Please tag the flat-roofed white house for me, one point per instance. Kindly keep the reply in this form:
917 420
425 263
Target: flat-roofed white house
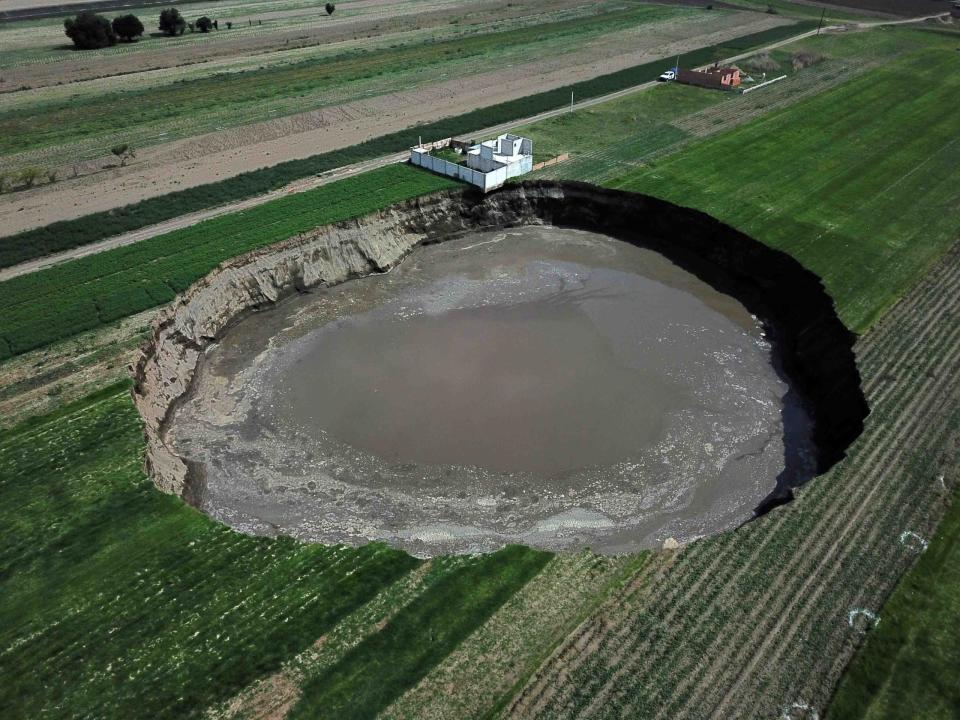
487 165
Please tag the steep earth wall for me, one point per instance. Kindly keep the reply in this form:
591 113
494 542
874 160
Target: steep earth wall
813 345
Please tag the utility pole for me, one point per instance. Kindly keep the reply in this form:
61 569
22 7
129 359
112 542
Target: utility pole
822 15
571 101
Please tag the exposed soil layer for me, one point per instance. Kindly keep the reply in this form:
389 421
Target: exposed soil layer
812 344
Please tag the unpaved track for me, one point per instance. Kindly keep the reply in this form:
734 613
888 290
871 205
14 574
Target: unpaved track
297 186
746 624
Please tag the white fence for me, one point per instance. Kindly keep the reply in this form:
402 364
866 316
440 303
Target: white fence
485 181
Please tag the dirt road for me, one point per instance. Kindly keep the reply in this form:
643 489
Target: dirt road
347 117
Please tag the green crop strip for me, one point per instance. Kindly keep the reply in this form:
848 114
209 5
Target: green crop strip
68 234
124 602
64 300
119 601
386 664
907 668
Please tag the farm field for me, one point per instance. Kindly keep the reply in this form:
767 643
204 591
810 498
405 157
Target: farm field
205 129
120 598
37 54
671 610
804 180
224 99
757 622
815 191
179 596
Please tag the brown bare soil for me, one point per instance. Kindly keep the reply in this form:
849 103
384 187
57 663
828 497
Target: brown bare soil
207 158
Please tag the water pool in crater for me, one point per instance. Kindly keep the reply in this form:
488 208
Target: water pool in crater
539 385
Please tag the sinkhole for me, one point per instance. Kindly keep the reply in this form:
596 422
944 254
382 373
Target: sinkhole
582 383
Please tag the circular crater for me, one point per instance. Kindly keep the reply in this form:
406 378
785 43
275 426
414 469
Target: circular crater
537 385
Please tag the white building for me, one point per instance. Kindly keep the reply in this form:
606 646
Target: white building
487 165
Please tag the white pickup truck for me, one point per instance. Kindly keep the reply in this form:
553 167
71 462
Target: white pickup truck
668 75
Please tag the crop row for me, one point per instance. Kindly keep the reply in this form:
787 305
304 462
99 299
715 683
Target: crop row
753 620
67 299
73 233
741 624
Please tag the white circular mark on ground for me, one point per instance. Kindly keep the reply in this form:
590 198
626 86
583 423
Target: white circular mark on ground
861 619
913 540
800 711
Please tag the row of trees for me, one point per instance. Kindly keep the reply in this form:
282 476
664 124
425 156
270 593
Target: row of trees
90 31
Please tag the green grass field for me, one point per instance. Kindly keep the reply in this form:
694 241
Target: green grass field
117 598
865 197
907 669
73 233
379 669
227 99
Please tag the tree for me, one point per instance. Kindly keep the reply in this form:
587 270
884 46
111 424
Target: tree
89 31
171 22
127 27
123 152
229 26
28 175
204 24
330 7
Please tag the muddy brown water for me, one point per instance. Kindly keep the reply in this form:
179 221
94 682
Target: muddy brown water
540 385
